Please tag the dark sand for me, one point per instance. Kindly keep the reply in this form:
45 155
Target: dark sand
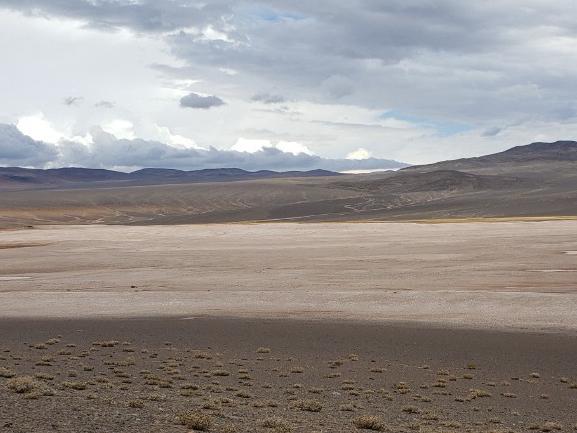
368 383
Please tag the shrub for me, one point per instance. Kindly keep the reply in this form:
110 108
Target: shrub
308 405
78 386
195 420
22 384
411 409
136 404
4 372
276 423
369 422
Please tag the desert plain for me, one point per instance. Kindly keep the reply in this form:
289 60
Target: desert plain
278 327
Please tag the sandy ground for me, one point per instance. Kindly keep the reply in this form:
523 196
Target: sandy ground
499 275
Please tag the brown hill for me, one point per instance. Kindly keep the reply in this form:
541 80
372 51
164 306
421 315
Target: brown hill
538 180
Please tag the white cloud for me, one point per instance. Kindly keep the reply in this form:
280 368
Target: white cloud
257 145
164 134
38 128
250 145
120 128
360 153
293 147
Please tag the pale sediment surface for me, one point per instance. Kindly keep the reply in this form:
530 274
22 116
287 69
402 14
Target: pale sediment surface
497 275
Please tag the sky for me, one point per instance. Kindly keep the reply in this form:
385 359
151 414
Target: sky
281 84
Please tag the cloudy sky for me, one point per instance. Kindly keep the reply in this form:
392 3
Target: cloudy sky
281 84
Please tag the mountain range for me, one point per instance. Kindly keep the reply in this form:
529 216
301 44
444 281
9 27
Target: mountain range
17 177
536 180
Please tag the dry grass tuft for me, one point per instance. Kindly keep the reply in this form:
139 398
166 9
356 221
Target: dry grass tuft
411 409
550 426
278 424
78 386
4 372
369 422
22 384
195 420
479 393
136 404
263 350
308 405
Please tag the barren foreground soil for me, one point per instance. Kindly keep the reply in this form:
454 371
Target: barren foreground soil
269 376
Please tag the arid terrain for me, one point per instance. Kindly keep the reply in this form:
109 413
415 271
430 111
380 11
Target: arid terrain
260 216
537 180
435 299
283 327
501 274
231 375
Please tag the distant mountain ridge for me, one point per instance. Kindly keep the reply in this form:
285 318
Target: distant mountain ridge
538 152
16 177
533 181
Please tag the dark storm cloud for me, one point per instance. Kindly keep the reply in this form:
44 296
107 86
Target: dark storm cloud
17 149
194 100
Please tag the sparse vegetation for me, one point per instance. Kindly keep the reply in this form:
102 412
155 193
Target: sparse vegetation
136 404
78 386
278 424
22 384
218 393
6 373
308 405
195 420
369 422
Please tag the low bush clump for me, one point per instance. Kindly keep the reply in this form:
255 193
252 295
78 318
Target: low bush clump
195 420
22 384
4 372
280 425
369 422
308 405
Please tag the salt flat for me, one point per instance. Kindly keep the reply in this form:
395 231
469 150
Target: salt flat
496 275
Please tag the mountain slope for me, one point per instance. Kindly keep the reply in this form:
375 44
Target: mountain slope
538 180
518 158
